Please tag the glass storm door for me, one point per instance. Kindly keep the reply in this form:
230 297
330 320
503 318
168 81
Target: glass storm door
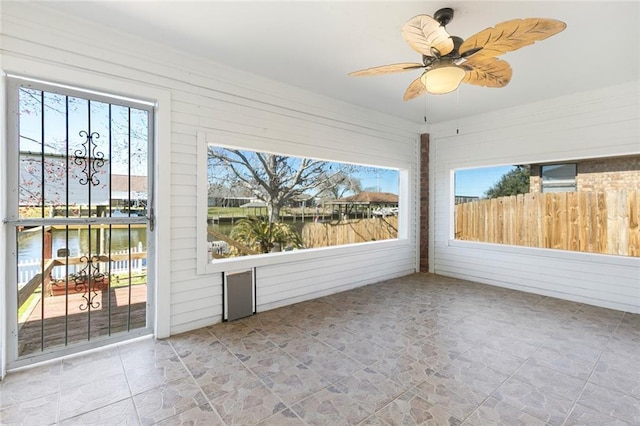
79 211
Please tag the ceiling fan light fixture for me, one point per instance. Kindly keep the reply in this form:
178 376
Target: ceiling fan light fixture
449 60
443 79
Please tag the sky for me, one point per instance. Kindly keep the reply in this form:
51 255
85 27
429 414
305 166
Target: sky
475 182
468 182
129 143
380 180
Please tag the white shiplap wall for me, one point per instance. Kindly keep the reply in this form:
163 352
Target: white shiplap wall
234 108
599 123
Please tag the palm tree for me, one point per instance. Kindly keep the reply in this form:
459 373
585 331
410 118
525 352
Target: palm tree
264 236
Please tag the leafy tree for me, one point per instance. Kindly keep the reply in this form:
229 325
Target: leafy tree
515 181
264 236
274 179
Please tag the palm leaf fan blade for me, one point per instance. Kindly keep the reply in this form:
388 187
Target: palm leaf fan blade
489 72
386 69
422 33
511 35
415 89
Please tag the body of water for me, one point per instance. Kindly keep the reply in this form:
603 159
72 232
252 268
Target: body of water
80 241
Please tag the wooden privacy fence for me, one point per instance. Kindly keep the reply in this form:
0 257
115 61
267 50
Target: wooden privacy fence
593 222
349 231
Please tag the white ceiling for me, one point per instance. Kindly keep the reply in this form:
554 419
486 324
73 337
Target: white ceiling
313 45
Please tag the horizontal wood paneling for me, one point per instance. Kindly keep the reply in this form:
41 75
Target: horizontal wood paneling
548 274
243 110
599 123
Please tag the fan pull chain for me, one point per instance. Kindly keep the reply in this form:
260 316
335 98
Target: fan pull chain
458 111
425 109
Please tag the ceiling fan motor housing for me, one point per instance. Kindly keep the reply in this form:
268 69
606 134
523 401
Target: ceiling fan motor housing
443 16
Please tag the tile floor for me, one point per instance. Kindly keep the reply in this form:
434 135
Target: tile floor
421 349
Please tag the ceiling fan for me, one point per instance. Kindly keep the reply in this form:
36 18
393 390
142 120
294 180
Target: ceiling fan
448 60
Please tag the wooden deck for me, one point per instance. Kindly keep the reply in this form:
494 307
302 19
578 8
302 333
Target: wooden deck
108 315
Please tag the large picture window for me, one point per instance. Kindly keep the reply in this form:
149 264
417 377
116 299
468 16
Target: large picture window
259 202
589 205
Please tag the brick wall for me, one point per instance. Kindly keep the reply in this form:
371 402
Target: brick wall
609 174
424 203
600 174
535 181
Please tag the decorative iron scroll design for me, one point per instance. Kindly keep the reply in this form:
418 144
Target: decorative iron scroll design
88 280
89 158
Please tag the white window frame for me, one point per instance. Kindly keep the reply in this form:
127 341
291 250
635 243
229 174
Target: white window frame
205 139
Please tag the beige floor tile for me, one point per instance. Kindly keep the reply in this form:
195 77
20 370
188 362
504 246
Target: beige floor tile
549 380
370 388
247 404
421 349
497 413
189 342
624 380
283 418
29 384
143 352
331 406
584 416
573 358
143 377
450 395
330 363
494 358
270 361
168 400
475 375
612 403
93 395
411 409
217 382
550 408
510 346
351 345
202 415
38 411
101 364
402 369
119 413
295 383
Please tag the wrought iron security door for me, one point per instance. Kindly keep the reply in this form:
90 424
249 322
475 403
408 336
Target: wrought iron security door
81 219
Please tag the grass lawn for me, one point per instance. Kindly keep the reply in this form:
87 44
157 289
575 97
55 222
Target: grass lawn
230 211
122 280
242 212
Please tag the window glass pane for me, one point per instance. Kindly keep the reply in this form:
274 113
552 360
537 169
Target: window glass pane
558 178
558 172
552 206
31 153
261 203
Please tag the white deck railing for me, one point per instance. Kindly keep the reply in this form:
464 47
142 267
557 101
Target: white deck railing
27 269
